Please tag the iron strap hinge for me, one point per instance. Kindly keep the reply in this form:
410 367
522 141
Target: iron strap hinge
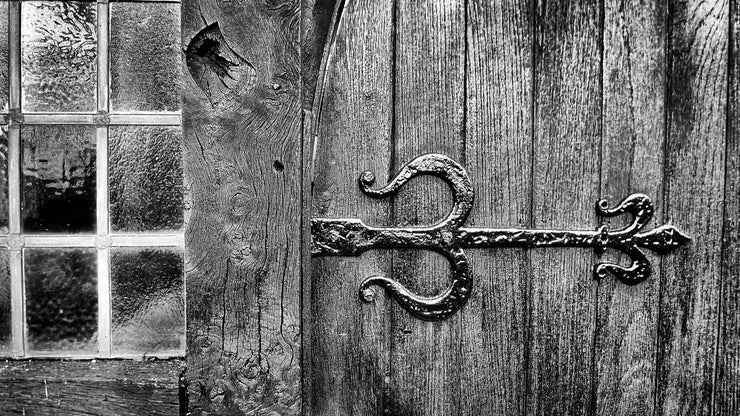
351 237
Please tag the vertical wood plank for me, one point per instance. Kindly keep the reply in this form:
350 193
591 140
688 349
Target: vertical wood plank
349 347
242 153
429 117
632 149
316 25
694 193
498 152
565 189
727 382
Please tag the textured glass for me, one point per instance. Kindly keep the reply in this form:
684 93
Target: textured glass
6 329
3 179
58 179
4 56
61 299
145 57
146 183
148 301
58 56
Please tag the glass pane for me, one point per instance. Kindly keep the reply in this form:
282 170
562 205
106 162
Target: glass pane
146 183
61 299
58 56
145 57
148 301
6 331
3 179
58 179
4 56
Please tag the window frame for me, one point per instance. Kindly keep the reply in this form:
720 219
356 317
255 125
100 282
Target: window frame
103 240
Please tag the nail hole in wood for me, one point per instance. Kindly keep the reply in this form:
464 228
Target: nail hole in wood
278 166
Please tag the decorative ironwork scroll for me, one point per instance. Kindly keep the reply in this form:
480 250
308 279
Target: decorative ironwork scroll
351 237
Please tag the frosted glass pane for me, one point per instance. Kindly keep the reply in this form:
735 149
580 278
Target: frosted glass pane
58 179
6 332
145 57
58 56
4 56
148 300
61 299
3 179
146 183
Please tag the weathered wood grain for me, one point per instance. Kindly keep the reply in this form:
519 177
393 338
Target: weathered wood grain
242 126
694 181
429 117
498 153
727 378
316 25
567 124
632 149
559 343
90 387
348 353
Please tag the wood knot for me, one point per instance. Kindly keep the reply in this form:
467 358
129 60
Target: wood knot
217 69
241 204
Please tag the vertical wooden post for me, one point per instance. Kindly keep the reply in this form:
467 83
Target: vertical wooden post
242 151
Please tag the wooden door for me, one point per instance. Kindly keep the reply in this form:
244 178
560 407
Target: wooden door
549 106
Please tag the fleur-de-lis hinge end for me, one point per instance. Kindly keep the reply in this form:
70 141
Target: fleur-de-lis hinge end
631 238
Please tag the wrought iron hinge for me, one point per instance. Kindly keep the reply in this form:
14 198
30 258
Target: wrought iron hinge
351 237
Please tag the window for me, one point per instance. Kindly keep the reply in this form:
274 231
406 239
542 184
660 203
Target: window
91 191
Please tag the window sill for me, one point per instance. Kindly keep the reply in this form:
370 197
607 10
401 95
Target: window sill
120 387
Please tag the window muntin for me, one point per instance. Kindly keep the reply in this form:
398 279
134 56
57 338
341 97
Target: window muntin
91 194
